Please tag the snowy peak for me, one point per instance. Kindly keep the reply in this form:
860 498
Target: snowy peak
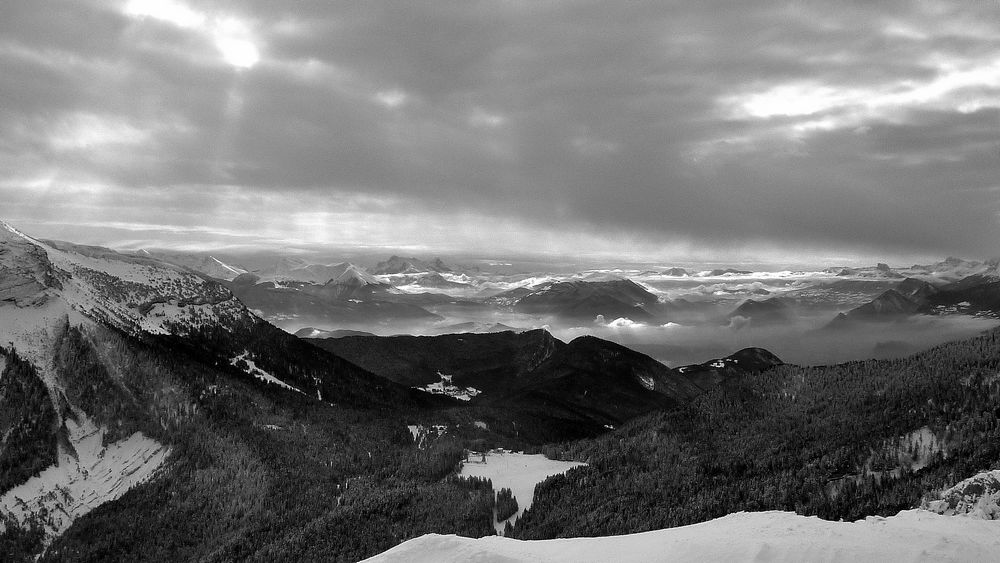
9 233
236 271
890 302
354 276
585 300
298 270
956 267
25 270
133 293
772 310
208 265
399 265
6 231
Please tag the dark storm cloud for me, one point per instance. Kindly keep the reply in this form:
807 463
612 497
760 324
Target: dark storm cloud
858 126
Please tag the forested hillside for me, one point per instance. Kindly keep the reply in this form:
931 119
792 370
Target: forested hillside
257 472
839 442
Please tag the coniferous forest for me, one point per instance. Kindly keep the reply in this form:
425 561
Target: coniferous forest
827 441
260 474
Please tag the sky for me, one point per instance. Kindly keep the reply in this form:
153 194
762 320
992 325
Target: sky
813 131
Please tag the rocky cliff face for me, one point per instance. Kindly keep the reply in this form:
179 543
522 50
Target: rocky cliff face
976 497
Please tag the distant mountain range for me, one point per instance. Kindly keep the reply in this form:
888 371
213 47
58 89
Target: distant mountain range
148 413
398 265
205 264
589 382
110 357
766 311
584 300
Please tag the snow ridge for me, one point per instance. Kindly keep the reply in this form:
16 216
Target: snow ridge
911 535
133 293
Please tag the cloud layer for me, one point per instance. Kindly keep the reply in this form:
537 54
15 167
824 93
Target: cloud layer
642 127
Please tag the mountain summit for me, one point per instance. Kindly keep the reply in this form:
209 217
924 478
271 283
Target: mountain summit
398 265
107 359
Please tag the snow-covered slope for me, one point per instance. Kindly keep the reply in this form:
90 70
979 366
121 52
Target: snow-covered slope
45 285
976 497
952 269
84 478
297 269
351 274
911 535
228 271
133 293
205 264
244 362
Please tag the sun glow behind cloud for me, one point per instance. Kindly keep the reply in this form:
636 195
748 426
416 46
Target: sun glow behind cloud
856 128
961 86
166 10
87 131
231 36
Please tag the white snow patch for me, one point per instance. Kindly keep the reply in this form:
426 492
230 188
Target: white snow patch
446 387
77 485
260 374
31 330
911 535
422 433
519 473
918 448
227 267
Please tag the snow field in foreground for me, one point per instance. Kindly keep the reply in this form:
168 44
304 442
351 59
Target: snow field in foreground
912 535
519 473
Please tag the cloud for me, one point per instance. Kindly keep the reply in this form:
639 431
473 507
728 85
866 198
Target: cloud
644 127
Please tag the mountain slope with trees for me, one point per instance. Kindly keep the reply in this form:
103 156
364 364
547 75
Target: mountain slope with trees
834 441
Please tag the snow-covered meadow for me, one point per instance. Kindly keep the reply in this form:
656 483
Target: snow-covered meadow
519 473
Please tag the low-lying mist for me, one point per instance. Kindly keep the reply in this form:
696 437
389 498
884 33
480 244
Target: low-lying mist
802 341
